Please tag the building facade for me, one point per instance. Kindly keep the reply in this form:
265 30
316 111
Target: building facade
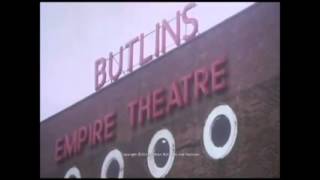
211 105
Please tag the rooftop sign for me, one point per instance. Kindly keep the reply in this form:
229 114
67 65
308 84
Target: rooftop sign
160 48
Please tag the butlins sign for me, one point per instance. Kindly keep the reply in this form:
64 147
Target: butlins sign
161 31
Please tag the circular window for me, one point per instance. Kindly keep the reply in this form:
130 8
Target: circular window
161 148
113 165
220 132
73 173
161 153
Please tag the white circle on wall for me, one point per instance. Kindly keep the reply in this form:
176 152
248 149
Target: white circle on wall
215 151
155 170
111 156
73 172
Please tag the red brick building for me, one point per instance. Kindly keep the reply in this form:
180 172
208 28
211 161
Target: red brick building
229 132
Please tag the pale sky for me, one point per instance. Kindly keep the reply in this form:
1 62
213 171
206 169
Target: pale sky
74 35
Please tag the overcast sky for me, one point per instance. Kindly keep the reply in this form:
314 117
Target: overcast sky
74 35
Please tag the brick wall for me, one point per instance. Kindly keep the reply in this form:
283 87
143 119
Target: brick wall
251 42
